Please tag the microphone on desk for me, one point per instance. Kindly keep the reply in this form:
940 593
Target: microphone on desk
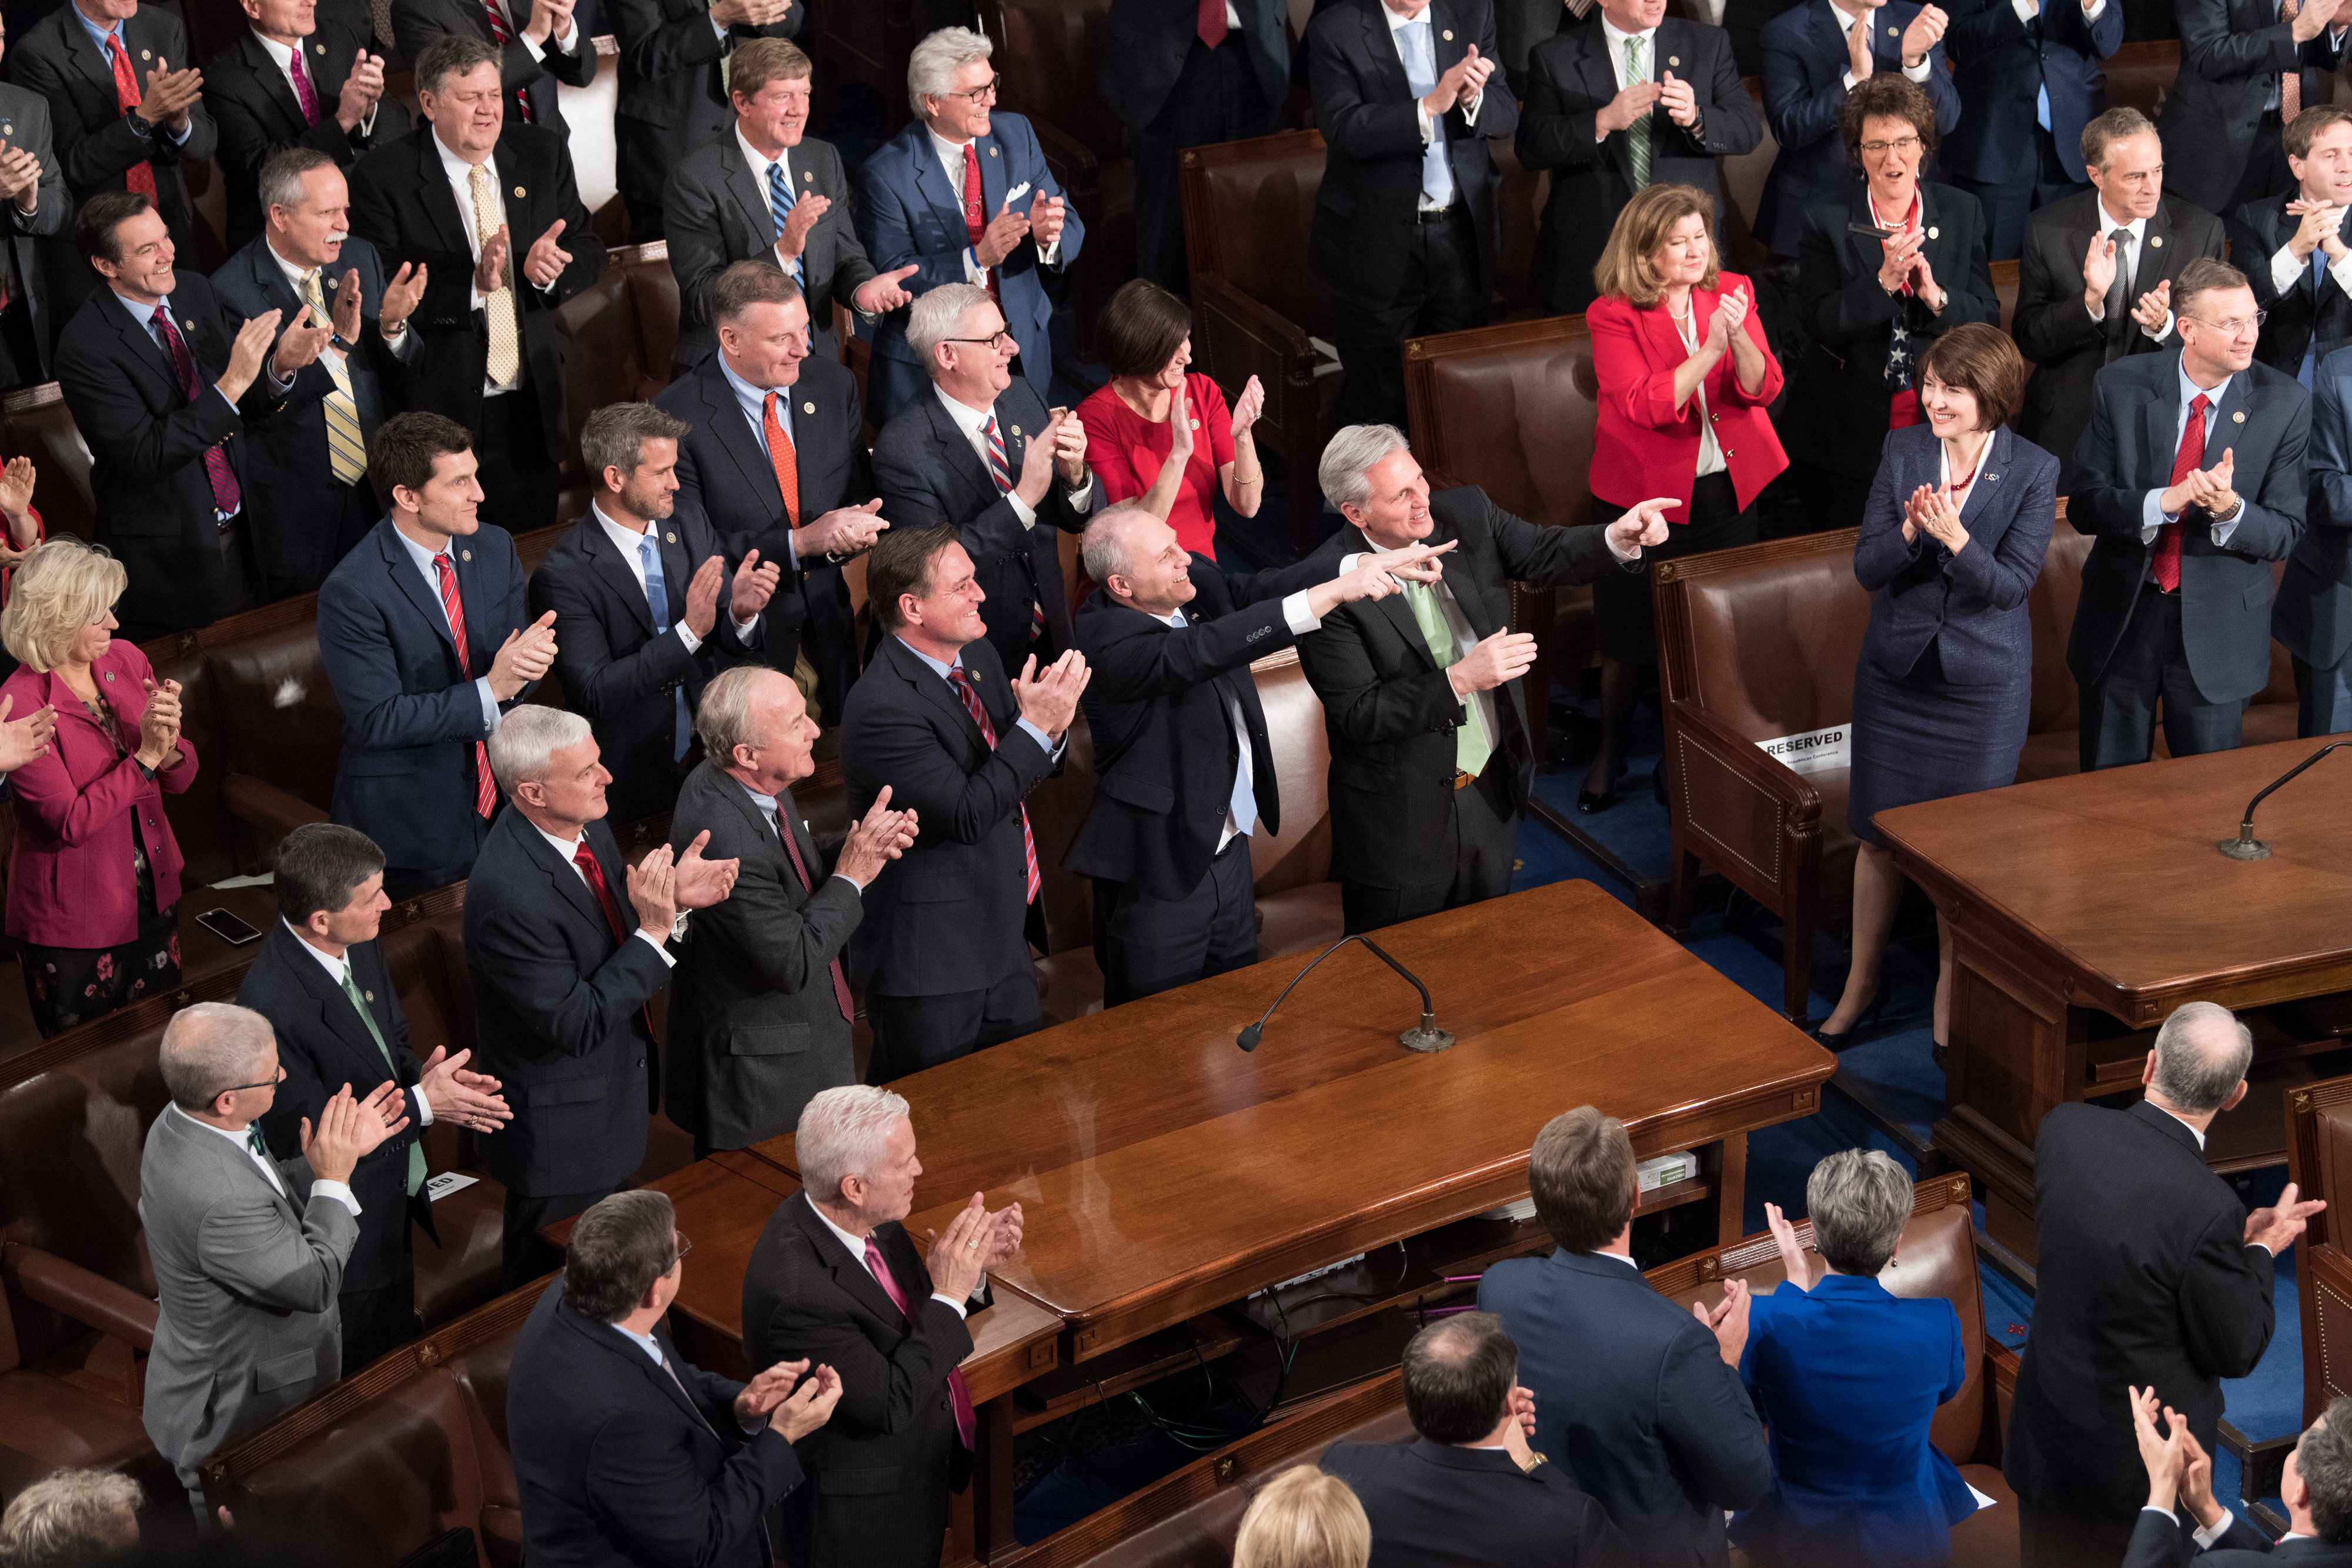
1425 1037
2245 846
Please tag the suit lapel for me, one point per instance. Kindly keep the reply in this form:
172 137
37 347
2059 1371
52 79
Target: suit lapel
1597 74
745 189
453 225
1991 466
335 1010
239 1162
482 636
410 584
936 691
142 341
562 874
1398 615
725 417
849 1270
957 459
2158 416
279 91
93 58
1381 52
2223 423
931 178
614 572
515 190
2148 265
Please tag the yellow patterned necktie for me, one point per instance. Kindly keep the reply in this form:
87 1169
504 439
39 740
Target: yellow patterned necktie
505 366
346 450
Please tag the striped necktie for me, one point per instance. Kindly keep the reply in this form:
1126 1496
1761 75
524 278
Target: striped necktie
1000 469
228 497
780 202
1637 135
657 601
486 789
970 695
346 448
367 1016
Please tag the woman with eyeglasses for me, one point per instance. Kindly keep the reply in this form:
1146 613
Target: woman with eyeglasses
1880 275
1160 432
94 873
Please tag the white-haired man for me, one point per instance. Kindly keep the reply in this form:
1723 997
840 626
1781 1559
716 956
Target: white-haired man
836 1280
567 943
1431 764
2149 1265
248 1250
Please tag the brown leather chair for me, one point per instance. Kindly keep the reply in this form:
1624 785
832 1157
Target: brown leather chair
2004 287
40 426
1248 208
78 1406
2319 1161
2139 75
1521 198
1742 180
1513 409
652 299
1047 51
1069 981
1297 901
605 362
869 43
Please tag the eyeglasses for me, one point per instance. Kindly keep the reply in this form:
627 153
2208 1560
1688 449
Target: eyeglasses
1900 144
684 1247
996 341
986 89
268 1083
2235 324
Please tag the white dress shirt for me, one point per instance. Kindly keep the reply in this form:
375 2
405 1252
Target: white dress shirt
425 559
2128 255
2152 513
1301 621
1845 20
1617 42
627 541
951 157
282 56
2028 9
461 183
969 420
759 165
1397 25
339 1191
339 968
568 848
2205 1538
856 1245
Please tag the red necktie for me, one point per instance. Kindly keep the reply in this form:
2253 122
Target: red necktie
970 695
585 859
2187 460
486 789
975 220
800 870
227 497
302 87
140 176
959 1396
503 35
1211 26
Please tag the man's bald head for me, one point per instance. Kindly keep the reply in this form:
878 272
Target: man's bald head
1137 558
2201 1058
1458 1373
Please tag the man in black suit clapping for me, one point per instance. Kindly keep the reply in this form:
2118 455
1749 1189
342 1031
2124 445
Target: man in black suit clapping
293 78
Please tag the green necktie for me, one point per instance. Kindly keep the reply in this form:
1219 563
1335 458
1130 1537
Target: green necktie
367 1017
260 1148
1471 746
1637 135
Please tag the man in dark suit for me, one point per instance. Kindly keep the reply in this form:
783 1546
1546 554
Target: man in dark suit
2293 250
2314 1482
1406 221
1430 760
635 588
2095 281
760 1011
2246 68
32 187
169 475
489 211
317 503
1641 98
963 196
985 458
1185 76
424 637
535 44
293 79
2150 1267
676 57
943 951
1468 1491
775 458
321 981
566 944
623 1453
126 106
835 1279
1640 1400
2028 86
1813 55
1183 771
771 193
2187 508
2312 618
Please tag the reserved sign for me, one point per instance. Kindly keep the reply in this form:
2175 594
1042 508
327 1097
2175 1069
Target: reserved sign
1815 752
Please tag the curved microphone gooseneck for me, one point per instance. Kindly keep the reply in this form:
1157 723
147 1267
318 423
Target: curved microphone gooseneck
1426 1037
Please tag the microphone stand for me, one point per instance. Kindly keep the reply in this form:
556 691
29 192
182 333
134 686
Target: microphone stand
2245 846
1426 1037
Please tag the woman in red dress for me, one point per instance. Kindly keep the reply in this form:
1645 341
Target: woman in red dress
1162 433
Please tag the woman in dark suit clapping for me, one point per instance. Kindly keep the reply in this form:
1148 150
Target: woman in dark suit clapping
1952 540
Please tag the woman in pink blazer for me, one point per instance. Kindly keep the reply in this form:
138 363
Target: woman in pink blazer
94 876
1686 375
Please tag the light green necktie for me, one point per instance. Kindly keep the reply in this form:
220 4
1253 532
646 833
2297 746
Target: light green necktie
1471 745
367 1017
1637 135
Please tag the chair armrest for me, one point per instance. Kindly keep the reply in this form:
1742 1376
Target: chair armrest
90 1300
270 812
1236 338
1775 780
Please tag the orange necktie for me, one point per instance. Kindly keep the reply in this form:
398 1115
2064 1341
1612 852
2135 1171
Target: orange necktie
787 463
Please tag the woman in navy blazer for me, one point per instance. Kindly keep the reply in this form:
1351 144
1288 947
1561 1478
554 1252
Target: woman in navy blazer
1848 1377
94 873
1959 519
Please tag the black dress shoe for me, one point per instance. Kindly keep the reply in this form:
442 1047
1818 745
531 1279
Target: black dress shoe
1862 1025
1589 802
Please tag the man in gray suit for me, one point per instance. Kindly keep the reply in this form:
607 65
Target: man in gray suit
768 193
248 1250
759 1006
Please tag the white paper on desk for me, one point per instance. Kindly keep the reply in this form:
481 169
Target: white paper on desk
440 1187
1982 1500
1816 752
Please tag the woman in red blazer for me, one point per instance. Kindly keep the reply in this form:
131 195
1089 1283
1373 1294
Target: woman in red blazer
1684 376
94 874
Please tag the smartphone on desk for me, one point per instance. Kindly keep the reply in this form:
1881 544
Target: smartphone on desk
228 928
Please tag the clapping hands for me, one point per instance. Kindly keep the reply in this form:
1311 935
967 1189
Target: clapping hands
1931 510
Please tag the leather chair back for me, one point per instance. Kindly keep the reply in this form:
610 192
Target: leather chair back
1301 854
2057 701
605 362
282 721
1249 212
2139 75
40 426
1057 808
653 297
2004 289
1047 51
1767 636
1742 180
2319 1161
1522 194
1512 409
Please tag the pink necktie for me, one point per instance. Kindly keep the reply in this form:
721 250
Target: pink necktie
970 695
956 1395
302 87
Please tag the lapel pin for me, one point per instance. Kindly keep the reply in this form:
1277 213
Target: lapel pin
808 407
464 555
144 55
2238 417
1933 234
2155 240
807 177
1017 430
1447 35
369 995
1674 59
669 538
1893 34
110 674
519 193
8 130
322 49
992 153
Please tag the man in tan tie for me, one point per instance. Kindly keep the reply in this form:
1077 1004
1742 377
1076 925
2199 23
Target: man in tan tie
488 213
316 503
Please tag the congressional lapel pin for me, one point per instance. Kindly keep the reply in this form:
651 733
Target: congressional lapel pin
1674 59
992 153
669 538
189 322
1447 35
1933 234
464 555
369 995
1892 33
322 49
808 407
110 674
2155 240
144 55
1017 430
808 176
8 130
2238 417
519 193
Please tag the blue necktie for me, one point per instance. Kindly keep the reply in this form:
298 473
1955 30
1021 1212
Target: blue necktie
1421 74
780 202
2318 294
657 598
1242 802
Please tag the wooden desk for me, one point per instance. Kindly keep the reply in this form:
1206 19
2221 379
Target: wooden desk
2101 896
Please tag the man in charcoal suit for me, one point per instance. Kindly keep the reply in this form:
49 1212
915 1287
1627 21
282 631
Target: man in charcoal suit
677 60
33 187
293 78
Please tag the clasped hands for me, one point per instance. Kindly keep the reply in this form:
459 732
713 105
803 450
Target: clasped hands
755 586
2208 489
976 1241
1906 258
1931 510
2151 310
664 883
793 1412
1043 222
2180 1471
1635 100
159 725
1461 84
541 265
1060 448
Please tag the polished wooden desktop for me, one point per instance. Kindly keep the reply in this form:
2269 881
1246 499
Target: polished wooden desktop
1164 1173
2101 896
